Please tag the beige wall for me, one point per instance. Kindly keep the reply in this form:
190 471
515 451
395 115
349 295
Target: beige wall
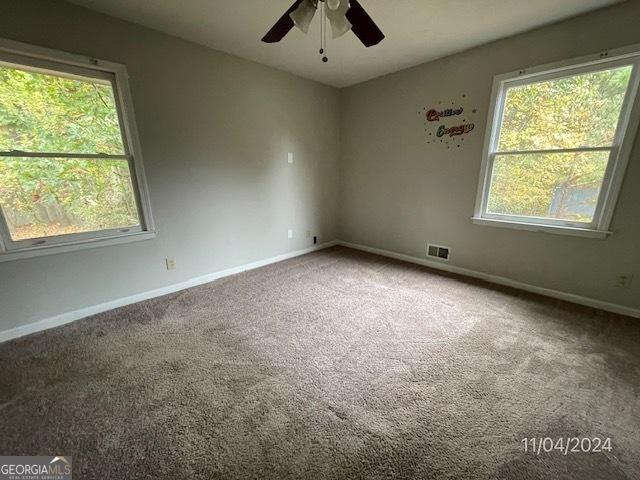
215 132
398 192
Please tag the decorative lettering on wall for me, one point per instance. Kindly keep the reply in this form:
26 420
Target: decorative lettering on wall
453 131
434 115
448 125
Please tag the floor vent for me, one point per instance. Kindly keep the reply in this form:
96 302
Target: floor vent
439 252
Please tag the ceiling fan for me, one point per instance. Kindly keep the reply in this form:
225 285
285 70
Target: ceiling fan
342 15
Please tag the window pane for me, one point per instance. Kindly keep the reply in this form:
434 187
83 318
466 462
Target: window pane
570 112
563 186
46 197
47 113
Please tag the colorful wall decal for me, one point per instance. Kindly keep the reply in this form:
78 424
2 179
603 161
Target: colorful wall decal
448 125
433 115
453 131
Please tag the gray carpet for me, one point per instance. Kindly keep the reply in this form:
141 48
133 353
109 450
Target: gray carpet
334 365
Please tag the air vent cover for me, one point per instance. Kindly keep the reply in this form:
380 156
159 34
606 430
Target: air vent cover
439 252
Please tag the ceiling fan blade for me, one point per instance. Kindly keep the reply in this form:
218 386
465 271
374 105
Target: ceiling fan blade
337 17
303 15
282 26
363 26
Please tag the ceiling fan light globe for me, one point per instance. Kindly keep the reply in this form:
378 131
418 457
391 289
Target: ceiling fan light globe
303 15
339 26
338 18
333 4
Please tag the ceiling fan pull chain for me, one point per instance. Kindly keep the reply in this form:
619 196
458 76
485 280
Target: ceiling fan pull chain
321 31
323 18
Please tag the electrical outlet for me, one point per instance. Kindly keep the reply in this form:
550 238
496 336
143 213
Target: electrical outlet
171 263
624 281
290 157
289 234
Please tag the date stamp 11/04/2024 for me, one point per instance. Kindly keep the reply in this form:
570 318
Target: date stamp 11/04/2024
566 445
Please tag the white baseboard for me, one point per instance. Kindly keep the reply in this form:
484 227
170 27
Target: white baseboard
547 292
72 316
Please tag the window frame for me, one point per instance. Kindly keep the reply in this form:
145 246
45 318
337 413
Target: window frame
619 155
45 60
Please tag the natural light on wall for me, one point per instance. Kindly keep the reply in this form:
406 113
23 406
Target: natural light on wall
556 144
66 172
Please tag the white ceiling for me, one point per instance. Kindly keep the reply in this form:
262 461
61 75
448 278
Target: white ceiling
417 30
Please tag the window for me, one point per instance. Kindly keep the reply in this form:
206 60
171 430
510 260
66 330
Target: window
70 167
558 145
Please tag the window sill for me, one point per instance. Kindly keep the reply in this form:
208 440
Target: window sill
79 245
535 227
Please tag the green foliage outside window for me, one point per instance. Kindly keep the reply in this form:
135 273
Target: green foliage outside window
51 196
571 112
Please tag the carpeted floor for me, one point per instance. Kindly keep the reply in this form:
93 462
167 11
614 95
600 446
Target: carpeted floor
334 365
